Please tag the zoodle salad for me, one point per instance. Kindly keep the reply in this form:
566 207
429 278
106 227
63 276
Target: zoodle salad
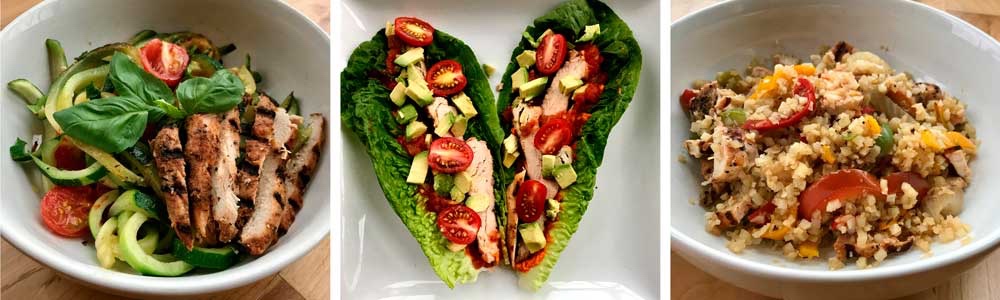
167 159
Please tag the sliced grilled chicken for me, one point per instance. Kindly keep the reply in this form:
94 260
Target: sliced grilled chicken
481 173
555 101
225 208
261 230
511 229
527 125
169 157
202 154
300 168
438 110
257 147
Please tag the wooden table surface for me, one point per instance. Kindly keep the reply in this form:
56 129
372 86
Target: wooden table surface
307 278
689 282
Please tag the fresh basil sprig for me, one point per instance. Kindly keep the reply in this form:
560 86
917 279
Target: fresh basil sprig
110 124
131 80
215 94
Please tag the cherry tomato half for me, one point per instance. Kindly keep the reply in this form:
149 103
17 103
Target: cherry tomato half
686 98
530 201
554 134
459 224
762 214
895 181
414 32
449 155
64 209
164 60
551 53
844 184
445 78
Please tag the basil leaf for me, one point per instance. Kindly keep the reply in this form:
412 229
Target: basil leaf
215 94
131 80
110 124
170 110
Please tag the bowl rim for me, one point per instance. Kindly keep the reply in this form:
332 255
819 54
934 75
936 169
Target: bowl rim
980 245
250 272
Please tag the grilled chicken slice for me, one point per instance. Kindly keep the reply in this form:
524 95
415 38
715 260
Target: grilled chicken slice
169 157
527 125
438 110
300 168
256 149
481 173
261 230
202 154
511 230
555 101
225 208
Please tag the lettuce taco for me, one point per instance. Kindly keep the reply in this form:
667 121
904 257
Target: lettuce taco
421 104
568 82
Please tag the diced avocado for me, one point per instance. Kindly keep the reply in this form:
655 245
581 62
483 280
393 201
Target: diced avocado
552 208
478 202
526 59
464 104
390 28
510 158
418 169
410 57
565 155
579 90
564 174
443 126
406 114
415 129
534 88
589 33
398 94
443 183
428 138
489 69
531 40
518 78
463 182
456 195
569 84
413 76
549 162
456 247
420 94
460 125
510 144
532 236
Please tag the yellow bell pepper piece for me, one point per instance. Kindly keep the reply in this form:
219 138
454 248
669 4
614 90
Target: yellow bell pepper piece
871 126
776 234
805 69
828 155
961 140
931 141
765 87
808 249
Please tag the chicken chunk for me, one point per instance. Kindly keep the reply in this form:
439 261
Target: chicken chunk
225 209
261 230
555 101
168 153
481 173
300 168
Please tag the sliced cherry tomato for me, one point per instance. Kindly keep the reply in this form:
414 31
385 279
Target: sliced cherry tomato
459 224
554 134
804 88
69 157
164 60
445 78
551 54
414 146
763 214
895 181
64 209
390 61
450 155
414 32
843 185
530 201
686 98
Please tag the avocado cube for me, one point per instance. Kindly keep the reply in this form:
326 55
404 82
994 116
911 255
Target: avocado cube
398 94
589 33
406 114
460 125
478 202
418 169
443 184
518 79
464 104
549 162
443 126
428 138
569 84
534 88
510 158
456 195
510 144
456 247
415 129
553 208
489 69
564 174
390 28
413 76
420 94
410 57
463 182
526 59
532 236
580 90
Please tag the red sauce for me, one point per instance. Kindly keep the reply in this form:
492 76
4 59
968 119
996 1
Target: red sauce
434 203
476 255
413 147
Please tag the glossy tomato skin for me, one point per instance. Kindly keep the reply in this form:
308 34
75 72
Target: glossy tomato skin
530 201
164 60
843 184
551 53
413 31
894 184
446 78
686 98
64 209
554 134
459 224
449 155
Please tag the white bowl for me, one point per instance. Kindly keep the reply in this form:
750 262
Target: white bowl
913 37
287 48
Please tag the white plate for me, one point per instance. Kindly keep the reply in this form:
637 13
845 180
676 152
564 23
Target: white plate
614 253
289 50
